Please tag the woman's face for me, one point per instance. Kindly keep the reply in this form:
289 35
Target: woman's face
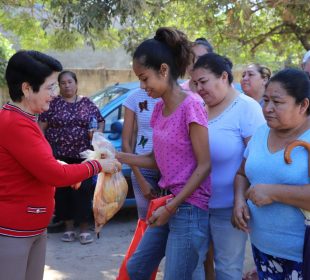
67 85
280 109
209 87
198 51
252 81
153 82
39 102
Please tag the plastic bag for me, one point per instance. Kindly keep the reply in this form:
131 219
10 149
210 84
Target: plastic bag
111 189
140 229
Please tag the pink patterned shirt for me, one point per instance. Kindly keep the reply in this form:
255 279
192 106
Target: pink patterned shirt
173 148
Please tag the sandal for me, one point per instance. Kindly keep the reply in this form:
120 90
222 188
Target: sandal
85 238
68 236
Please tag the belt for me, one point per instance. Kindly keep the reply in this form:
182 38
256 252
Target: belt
164 192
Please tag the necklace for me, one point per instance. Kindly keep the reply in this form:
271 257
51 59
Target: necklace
70 100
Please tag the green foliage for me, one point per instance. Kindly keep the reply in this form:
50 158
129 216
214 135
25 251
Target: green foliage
273 32
270 32
64 40
5 52
94 19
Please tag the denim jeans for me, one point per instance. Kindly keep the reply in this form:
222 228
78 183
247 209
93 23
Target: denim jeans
229 245
182 241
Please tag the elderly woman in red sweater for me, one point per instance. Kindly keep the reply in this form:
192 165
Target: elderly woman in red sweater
28 170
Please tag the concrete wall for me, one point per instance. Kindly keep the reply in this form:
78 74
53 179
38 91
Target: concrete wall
87 58
90 80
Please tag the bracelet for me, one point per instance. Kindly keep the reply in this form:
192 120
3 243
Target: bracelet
168 210
93 167
88 168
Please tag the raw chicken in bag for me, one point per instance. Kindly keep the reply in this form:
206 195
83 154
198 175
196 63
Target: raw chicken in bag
111 189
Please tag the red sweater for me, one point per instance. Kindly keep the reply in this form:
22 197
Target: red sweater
28 174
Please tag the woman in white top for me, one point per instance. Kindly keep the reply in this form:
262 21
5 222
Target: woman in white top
233 118
137 138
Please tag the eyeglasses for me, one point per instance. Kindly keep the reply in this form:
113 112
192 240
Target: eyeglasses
53 89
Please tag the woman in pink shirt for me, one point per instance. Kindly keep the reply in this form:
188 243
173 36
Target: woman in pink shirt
178 230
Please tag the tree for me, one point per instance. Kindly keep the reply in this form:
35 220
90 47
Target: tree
5 52
268 31
60 25
261 30
280 26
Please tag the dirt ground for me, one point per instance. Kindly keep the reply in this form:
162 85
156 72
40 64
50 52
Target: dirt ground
101 259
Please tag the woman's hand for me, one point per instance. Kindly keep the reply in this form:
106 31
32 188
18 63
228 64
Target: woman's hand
241 215
160 216
150 194
147 190
143 160
120 156
76 186
61 162
110 165
260 194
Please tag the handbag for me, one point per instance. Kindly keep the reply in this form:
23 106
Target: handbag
140 229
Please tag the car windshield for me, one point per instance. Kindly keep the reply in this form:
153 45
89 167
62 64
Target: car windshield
101 98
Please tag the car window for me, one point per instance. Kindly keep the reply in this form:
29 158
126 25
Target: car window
105 96
116 114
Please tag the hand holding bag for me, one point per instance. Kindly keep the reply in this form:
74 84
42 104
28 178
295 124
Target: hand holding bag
140 229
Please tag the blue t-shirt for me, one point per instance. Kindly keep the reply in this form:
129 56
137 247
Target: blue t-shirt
276 229
226 136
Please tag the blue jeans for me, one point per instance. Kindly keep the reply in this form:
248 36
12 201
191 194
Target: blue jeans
229 245
182 241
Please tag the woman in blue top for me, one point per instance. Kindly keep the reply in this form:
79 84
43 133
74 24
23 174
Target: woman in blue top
233 119
275 190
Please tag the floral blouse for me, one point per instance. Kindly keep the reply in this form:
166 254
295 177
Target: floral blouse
68 123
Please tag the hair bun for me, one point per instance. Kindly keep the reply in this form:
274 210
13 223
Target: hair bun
201 39
159 37
228 62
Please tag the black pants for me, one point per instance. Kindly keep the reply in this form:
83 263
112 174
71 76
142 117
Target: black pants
73 204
